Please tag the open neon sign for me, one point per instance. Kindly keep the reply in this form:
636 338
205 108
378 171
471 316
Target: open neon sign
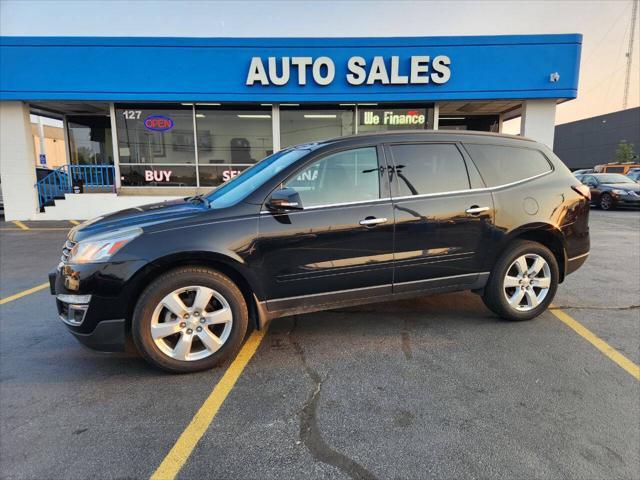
158 123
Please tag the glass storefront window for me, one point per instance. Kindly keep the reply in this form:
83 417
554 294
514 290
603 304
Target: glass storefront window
156 145
482 123
150 175
90 140
148 134
157 142
309 124
214 175
384 118
233 137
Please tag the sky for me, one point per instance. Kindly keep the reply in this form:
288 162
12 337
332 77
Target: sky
604 24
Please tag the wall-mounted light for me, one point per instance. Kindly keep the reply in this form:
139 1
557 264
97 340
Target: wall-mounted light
210 104
289 104
253 116
319 115
187 104
368 104
200 115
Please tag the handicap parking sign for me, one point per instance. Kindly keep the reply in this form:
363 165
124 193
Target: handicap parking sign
43 159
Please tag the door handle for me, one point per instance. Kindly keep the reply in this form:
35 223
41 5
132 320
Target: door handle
475 210
371 221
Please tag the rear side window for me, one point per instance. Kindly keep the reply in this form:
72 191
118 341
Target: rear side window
429 168
500 165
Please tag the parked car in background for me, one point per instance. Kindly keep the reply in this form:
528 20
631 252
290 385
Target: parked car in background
634 174
622 168
342 222
582 171
610 190
1 200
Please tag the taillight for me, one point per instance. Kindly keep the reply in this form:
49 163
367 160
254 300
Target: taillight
582 190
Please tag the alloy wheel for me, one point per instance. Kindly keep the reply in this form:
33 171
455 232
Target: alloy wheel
191 323
527 282
605 202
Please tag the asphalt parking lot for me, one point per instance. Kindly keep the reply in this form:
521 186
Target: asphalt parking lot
431 388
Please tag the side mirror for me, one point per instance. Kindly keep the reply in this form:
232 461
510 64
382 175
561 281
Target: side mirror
285 199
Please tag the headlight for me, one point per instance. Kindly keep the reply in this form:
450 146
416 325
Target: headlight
101 248
619 192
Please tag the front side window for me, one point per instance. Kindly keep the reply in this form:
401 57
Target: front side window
428 168
501 165
343 177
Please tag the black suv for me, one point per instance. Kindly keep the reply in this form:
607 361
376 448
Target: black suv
347 221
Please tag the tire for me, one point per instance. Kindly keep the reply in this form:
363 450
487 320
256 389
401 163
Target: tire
188 344
517 302
606 201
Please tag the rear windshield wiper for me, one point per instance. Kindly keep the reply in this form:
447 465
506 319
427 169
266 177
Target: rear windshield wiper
199 199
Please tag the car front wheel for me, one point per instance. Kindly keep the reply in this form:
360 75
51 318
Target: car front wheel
523 281
189 319
606 202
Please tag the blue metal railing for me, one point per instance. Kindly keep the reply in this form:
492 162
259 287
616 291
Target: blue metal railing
62 180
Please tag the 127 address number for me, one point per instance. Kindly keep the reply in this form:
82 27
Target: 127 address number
132 114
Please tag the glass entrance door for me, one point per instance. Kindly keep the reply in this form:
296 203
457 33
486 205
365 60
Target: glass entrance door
90 140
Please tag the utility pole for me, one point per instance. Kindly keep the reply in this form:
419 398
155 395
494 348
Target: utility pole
634 15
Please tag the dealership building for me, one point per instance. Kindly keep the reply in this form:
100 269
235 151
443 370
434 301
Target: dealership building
147 119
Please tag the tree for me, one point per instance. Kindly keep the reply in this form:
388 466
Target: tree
625 153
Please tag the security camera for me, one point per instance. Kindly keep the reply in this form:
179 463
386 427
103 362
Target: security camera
554 77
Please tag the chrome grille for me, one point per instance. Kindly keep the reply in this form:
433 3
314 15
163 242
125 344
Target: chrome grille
66 250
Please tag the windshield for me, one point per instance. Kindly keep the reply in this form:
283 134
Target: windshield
248 181
613 178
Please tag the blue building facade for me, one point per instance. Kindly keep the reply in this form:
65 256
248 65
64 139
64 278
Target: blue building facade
170 115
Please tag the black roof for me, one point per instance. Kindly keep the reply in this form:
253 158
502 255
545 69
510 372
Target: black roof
450 135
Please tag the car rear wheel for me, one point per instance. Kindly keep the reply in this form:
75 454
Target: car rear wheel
190 319
606 202
523 281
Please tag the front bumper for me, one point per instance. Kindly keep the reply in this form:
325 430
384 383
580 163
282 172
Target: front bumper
93 302
627 201
576 262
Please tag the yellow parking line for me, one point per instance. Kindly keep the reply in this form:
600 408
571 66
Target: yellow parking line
188 440
604 347
74 222
32 229
24 293
21 225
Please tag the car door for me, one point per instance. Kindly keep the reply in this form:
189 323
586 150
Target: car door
340 245
592 183
442 224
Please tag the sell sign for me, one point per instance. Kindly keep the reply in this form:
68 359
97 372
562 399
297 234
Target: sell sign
158 123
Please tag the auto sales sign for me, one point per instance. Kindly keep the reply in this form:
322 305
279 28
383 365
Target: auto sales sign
393 70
